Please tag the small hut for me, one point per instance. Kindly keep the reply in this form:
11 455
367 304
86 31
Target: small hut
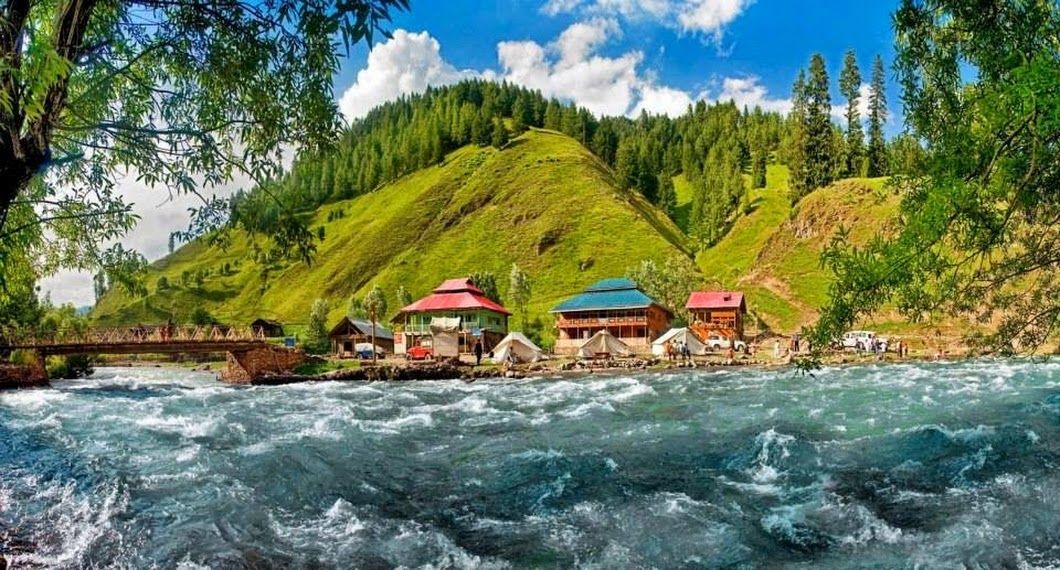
267 328
348 333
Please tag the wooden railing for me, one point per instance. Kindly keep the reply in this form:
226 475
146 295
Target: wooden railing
133 335
601 321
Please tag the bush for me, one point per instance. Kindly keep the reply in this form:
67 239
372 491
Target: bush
202 317
70 367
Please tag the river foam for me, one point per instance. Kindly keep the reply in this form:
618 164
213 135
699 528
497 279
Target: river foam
930 465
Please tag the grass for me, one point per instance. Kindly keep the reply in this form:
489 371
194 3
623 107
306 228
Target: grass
543 202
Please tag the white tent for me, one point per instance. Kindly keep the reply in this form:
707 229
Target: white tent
445 337
674 336
604 343
517 345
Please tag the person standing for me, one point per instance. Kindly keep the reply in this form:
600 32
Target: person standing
478 352
776 349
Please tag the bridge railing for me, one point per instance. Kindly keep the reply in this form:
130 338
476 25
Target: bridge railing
136 335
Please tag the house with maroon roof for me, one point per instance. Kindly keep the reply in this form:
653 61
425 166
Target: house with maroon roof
479 316
720 309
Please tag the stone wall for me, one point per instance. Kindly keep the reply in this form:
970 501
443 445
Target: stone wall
247 366
24 375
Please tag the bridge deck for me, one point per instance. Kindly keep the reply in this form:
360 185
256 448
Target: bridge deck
145 347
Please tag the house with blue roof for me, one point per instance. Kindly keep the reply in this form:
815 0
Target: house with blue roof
617 305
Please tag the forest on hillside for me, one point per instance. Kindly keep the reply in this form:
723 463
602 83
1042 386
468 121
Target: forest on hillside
713 145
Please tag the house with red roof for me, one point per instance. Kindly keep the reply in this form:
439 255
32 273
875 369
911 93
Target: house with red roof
479 316
720 309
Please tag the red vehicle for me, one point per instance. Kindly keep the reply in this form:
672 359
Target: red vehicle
419 353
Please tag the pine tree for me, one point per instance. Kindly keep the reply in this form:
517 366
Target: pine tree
759 157
796 147
877 152
627 164
553 115
521 115
499 137
172 242
850 85
480 130
667 196
819 148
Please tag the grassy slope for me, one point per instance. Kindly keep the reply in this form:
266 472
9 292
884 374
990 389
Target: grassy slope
543 202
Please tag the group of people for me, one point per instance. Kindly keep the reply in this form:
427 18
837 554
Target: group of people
678 351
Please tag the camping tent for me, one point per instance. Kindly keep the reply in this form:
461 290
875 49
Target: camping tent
674 336
517 345
604 343
445 337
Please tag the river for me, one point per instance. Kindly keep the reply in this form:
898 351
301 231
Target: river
933 465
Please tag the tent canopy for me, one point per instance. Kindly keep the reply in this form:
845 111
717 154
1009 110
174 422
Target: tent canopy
674 336
517 346
603 343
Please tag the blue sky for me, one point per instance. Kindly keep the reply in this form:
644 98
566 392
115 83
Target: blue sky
690 46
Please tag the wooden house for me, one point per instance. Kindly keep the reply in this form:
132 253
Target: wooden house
480 317
720 309
348 333
267 328
615 305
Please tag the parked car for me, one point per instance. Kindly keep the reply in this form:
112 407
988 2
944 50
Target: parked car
718 342
419 353
364 351
862 340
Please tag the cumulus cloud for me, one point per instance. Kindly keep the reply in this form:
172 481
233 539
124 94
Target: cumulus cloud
695 16
864 92
748 92
570 68
406 63
160 215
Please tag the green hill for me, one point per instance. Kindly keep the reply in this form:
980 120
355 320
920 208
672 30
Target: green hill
544 202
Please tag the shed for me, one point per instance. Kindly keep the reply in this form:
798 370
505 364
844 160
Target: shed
267 328
348 333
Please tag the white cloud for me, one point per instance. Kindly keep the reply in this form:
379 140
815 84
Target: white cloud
662 101
570 68
160 215
748 92
708 17
864 92
406 63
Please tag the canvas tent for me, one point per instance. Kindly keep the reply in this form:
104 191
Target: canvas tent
674 336
445 337
604 343
518 346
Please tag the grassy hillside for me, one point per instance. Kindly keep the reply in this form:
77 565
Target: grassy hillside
543 202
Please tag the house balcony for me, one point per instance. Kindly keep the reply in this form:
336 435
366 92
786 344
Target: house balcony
601 322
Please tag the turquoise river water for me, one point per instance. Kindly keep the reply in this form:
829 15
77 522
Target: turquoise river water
934 465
